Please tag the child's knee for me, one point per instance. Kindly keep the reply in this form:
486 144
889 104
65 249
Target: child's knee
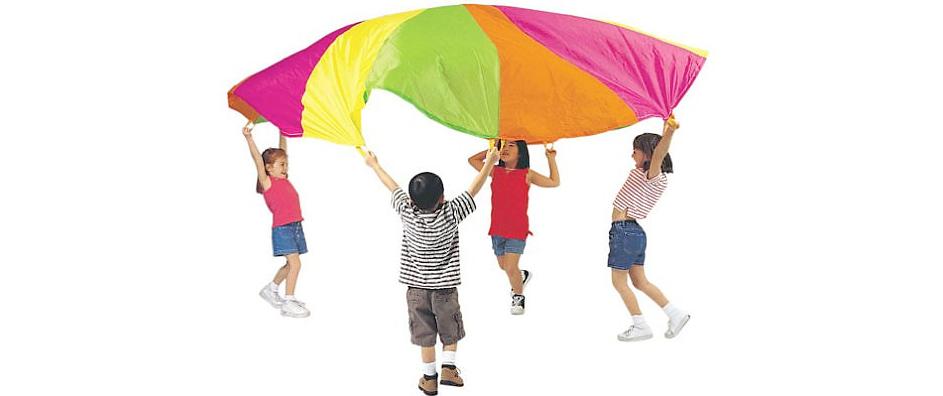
619 283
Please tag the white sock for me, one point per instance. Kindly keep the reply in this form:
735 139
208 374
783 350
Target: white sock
673 312
273 286
448 357
428 369
639 320
290 297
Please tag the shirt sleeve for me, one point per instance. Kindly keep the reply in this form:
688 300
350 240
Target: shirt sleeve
659 180
462 206
399 200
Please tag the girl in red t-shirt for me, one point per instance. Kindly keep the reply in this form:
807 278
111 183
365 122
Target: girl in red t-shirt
510 183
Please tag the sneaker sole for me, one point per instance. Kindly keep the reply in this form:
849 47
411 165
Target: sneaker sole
673 334
274 304
513 312
642 338
291 315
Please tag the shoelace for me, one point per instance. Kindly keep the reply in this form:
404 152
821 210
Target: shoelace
517 300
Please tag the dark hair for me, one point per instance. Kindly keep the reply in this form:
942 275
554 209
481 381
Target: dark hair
523 155
269 156
646 143
425 189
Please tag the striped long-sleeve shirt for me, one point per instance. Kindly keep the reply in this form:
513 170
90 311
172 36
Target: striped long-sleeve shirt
429 257
639 194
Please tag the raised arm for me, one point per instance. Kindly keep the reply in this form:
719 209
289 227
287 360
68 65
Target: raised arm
477 161
282 142
490 159
257 158
387 181
661 150
544 181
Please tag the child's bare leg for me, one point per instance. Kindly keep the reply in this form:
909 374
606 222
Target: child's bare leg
501 263
294 267
511 267
450 348
637 272
428 354
621 282
281 274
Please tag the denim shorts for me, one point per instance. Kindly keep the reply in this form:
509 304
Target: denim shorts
288 239
502 245
626 244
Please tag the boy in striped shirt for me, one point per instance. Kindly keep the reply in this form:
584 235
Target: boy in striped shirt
429 265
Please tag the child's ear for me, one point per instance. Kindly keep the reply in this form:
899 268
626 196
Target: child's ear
442 198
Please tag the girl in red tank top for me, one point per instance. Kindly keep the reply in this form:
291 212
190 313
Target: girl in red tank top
510 184
288 238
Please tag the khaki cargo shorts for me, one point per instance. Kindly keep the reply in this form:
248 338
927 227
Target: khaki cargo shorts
434 311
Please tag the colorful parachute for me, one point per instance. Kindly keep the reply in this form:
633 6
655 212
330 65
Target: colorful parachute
489 71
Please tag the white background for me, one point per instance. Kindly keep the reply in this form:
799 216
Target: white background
800 227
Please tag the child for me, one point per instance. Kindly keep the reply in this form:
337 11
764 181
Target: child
288 238
510 183
429 265
627 239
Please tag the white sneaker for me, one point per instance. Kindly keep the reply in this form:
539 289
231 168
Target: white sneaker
271 296
517 305
636 333
295 309
675 326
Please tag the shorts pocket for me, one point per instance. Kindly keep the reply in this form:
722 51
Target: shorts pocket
459 325
412 298
633 243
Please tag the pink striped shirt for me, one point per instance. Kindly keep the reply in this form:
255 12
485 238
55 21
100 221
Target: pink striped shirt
638 195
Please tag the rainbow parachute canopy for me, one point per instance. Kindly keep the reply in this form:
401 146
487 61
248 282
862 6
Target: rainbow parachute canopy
489 71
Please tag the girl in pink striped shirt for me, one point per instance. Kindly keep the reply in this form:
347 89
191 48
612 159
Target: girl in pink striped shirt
627 239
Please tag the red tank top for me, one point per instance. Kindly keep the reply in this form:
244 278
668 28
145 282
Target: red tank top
282 200
509 203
